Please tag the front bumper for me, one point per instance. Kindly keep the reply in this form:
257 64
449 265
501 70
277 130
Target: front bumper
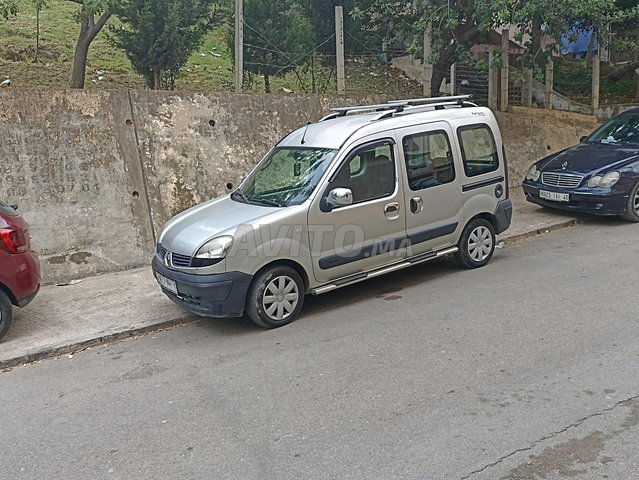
593 201
220 296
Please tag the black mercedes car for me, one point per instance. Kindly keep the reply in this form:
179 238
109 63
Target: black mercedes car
599 176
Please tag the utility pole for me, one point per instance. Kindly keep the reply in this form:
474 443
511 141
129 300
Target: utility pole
239 45
339 49
550 69
596 78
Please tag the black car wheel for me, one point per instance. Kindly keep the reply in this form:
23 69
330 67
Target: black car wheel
6 313
275 297
477 244
632 210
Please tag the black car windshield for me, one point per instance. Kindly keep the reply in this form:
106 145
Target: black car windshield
287 176
621 130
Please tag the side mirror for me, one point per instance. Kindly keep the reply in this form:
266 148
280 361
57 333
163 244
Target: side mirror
340 197
583 139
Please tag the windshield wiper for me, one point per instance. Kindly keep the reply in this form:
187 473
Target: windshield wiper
265 201
239 195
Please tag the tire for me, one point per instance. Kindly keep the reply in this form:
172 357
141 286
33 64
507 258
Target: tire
275 297
477 244
632 210
6 313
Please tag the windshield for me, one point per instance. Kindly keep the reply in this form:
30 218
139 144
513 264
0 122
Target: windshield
287 176
621 130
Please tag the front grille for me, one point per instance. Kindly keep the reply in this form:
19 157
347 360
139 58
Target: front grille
184 261
177 260
180 260
562 180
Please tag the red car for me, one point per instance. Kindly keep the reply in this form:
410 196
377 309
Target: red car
19 266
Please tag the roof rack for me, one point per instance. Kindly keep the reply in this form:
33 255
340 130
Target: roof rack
402 106
423 101
343 111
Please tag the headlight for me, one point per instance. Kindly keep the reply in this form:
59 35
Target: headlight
606 181
533 173
215 248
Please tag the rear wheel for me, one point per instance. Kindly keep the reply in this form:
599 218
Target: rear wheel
275 297
6 313
632 210
477 244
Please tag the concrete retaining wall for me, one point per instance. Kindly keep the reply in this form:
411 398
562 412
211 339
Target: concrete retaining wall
96 174
532 133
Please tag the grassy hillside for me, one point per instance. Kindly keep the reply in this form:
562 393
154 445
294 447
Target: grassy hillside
209 69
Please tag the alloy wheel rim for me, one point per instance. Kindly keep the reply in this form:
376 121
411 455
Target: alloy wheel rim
280 298
480 243
636 202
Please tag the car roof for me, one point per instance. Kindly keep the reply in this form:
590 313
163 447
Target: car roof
335 130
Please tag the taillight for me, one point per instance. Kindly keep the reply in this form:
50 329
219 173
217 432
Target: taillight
503 151
14 240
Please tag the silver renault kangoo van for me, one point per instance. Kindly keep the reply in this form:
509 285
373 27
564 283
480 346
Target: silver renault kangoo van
363 192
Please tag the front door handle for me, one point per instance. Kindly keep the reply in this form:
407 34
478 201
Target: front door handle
416 204
391 210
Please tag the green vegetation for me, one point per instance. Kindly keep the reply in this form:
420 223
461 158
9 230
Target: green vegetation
289 44
209 68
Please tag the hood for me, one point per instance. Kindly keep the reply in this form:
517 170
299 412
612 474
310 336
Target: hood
185 232
588 158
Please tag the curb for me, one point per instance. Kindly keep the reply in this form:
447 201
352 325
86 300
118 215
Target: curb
50 352
188 319
543 230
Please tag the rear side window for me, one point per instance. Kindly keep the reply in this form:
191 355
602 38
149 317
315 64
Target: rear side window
478 148
429 159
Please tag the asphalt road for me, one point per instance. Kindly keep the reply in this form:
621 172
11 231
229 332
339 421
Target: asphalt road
527 368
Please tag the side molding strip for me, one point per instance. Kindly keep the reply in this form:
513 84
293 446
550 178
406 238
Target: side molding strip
484 183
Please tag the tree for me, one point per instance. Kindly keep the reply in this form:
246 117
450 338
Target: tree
89 29
457 25
8 8
158 36
276 38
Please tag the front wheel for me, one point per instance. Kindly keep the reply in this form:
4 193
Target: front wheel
632 210
477 244
275 297
6 313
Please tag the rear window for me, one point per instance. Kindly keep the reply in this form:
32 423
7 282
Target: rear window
479 151
7 210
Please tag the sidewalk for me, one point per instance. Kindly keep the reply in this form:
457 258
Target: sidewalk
119 305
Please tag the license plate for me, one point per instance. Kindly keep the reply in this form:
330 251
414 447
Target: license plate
554 196
167 283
